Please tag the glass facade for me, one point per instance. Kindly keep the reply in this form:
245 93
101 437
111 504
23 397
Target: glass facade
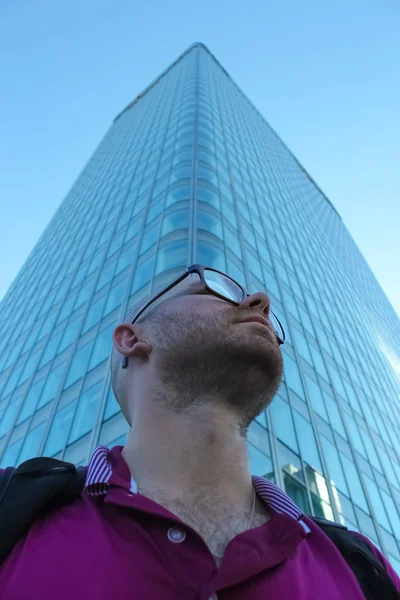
191 172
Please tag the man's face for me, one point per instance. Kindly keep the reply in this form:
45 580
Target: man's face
204 352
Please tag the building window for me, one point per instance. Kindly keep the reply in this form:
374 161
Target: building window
115 297
102 347
209 222
317 400
31 400
297 493
70 334
172 255
59 429
112 406
336 473
292 375
143 274
308 445
178 219
32 443
94 314
210 256
52 385
283 423
260 464
9 416
11 454
79 364
88 405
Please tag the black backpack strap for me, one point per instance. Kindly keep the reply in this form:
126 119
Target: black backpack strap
35 487
370 572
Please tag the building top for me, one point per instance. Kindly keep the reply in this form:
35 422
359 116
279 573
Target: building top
204 47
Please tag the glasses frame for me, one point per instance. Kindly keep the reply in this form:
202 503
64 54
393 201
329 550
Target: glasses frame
199 269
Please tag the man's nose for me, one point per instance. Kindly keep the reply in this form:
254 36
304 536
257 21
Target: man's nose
259 301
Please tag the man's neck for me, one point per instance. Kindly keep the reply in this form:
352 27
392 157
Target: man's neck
182 456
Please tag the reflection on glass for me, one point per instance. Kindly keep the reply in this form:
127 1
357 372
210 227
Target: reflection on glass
292 375
260 464
290 462
283 422
86 411
52 384
317 484
11 454
366 524
172 255
308 445
336 473
178 219
9 416
59 429
297 492
321 509
31 443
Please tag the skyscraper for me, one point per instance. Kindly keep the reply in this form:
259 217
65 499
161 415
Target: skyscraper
190 172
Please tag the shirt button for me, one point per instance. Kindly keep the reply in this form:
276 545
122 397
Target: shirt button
176 535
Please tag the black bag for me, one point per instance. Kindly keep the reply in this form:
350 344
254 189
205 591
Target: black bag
43 484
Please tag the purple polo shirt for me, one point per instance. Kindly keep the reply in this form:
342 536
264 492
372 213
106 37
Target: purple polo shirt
114 543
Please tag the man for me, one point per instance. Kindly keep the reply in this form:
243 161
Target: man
176 514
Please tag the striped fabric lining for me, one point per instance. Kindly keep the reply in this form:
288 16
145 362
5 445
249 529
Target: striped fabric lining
100 471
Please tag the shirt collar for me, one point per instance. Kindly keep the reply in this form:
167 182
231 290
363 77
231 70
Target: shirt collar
107 467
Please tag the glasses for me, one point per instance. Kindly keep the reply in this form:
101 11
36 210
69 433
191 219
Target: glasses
219 284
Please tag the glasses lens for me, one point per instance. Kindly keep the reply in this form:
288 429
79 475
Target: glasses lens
223 285
277 327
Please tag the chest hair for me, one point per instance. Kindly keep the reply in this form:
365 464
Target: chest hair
217 522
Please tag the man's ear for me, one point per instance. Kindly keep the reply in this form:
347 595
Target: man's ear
130 341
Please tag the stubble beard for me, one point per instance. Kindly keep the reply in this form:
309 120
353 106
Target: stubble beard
199 361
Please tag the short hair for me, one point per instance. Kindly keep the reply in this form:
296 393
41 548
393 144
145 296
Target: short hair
116 358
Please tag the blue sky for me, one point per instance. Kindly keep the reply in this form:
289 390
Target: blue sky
324 75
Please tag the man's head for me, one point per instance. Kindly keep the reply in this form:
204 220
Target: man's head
192 348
